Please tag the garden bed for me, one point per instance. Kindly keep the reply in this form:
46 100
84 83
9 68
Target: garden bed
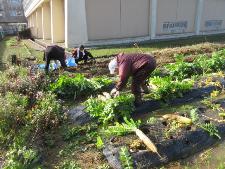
181 147
184 143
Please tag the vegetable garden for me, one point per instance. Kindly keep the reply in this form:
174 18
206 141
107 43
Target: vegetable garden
69 120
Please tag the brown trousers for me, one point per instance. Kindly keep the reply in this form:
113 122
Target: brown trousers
140 77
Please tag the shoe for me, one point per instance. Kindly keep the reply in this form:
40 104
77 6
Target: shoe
138 100
145 89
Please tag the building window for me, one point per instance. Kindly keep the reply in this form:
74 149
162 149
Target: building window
12 13
19 13
15 1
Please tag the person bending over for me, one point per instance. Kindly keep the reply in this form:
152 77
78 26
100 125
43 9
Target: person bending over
81 54
54 52
138 66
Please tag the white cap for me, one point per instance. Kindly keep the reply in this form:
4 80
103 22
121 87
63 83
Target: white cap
112 66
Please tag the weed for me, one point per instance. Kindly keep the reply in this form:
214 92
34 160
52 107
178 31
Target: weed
174 128
47 113
21 157
104 166
211 129
125 158
99 143
12 115
152 120
221 166
68 164
194 115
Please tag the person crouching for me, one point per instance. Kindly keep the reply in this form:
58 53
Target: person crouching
81 54
54 52
138 66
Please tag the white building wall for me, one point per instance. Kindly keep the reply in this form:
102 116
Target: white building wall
75 23
99 22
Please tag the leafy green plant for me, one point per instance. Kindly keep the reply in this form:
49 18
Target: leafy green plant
174 128
216 62
130 126
11 42
203 64
125 158
104 166
120 129
194 115
211 129
152 120
110 110
165 88
101 82
78 86
12 115
21 157
180 69
68 164
47 113
99 143
85 134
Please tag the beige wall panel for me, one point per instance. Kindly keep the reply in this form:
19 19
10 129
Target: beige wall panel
187 12
176 16
39 23
57 21
46 20
166 11
135 18
103 19
213 17
34 27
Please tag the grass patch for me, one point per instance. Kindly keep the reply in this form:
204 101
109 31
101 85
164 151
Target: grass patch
151 46
9 46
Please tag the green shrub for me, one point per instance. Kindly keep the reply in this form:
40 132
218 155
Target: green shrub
47 112
12 114
18 80
216 63
21 158
11 42
68 164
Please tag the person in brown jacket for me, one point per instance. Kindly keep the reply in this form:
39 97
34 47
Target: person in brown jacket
138 66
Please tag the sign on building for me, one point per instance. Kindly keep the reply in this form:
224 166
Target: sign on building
213 24
175 27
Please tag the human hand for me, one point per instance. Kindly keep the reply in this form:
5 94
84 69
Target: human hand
115 92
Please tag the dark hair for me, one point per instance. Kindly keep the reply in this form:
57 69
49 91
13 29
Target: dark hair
81 47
